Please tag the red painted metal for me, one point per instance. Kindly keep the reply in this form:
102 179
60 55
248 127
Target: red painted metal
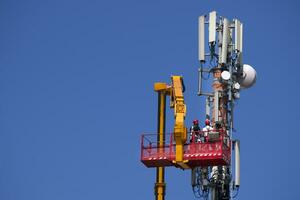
208 153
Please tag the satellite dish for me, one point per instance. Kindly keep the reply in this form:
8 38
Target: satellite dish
248 78
225 75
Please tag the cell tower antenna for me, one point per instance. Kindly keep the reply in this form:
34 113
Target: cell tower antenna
209 151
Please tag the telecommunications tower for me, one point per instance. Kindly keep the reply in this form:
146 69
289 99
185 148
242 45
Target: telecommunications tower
212 153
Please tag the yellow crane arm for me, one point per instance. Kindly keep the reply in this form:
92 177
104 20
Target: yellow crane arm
180 131
177 102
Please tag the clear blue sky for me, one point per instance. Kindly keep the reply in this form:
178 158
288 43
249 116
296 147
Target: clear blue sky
76 92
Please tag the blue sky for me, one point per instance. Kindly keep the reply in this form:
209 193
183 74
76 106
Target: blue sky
76 88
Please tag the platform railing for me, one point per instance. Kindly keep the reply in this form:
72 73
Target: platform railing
210 150
150 147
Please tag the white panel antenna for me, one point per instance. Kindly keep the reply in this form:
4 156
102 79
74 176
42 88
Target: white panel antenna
237 180
212 26
225 41
201 39
230 39
241 38
220 44
238 35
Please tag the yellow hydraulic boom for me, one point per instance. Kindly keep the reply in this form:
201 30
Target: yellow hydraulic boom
180 131
177 103
175 91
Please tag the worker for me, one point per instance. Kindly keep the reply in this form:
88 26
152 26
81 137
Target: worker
206 129
195 131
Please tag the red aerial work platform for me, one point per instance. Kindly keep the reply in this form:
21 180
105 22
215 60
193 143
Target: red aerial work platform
214 151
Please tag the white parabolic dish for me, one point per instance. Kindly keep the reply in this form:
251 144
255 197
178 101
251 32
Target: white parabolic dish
249 76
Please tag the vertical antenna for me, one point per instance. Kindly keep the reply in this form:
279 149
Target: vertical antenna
230 39
237 37
216 106
201 39
220 38
200 80
212 26
241 38
241 45
237 163
207 107
225 41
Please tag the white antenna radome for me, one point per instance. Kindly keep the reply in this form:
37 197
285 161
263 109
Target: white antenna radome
212 26
248 78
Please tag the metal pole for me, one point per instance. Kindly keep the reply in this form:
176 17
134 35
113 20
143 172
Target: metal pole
215 118
219 110
160 186
207 107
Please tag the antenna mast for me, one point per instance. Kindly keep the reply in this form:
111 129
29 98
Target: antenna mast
208 152
224 61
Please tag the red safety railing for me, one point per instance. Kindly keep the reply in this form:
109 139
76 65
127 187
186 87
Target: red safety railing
208 148
153 154
203 148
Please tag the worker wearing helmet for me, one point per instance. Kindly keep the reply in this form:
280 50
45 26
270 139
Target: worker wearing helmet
207 128
196 122
195 130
